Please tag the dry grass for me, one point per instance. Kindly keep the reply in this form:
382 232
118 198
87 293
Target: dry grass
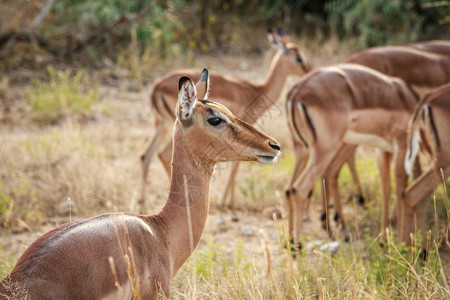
94 161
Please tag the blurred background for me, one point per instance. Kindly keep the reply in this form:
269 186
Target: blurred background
99 32
75 78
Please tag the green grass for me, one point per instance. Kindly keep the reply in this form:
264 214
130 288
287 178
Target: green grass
368 270
62 96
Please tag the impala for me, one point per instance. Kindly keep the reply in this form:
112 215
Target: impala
424 64
429 125
437 47
123 255
247 100
414 66
334 109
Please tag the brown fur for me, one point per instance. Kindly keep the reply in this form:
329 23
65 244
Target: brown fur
415 66
440 47
356 99
438 140
72 261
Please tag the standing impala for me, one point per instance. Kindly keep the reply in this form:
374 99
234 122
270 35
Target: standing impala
440 47
429 125
335 108
414 66
424 64
119 255
247 100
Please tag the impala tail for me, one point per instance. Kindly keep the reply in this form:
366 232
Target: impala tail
422 135
299 121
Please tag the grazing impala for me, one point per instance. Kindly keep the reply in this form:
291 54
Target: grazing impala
416 67
117 256
424 64
437 47
429 126
335 108
247 100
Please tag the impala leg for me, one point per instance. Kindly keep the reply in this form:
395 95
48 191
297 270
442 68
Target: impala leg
384 163
415 195
400 184
161 131
315 167
301 156
324 217
165 156
343 155
229 193
352 167
235 166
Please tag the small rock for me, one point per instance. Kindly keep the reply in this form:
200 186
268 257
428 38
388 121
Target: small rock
220 220
330 247
273 236
273 212
66 208
248 230
313 245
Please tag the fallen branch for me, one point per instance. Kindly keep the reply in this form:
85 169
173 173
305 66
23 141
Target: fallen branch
9 38
41 15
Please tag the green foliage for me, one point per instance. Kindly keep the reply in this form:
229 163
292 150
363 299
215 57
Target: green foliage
5 200
379 22
207 261
62 96
375 22
211 260
6 264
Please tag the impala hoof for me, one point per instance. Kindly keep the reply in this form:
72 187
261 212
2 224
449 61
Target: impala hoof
361 200
423 255
336 217
220 220
294 248
234 218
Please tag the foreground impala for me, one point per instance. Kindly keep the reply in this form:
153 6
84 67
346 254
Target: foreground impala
359 106
247 100
429 125
141 254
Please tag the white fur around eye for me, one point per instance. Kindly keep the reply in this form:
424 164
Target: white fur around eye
186 98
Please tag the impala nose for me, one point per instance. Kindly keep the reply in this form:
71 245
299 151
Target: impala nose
274 146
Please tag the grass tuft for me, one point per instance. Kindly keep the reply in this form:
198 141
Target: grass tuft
62 96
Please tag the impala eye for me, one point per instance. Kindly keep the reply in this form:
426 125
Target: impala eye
299 59
215 121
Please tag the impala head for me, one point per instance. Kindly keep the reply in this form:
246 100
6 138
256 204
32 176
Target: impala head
289 54
212 133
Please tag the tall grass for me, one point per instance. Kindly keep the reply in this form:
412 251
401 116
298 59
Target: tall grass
361 270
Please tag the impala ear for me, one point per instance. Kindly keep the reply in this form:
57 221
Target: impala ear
278 38
202 85
187 95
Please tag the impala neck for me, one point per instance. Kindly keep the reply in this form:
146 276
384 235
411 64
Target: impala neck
277 77
187 171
